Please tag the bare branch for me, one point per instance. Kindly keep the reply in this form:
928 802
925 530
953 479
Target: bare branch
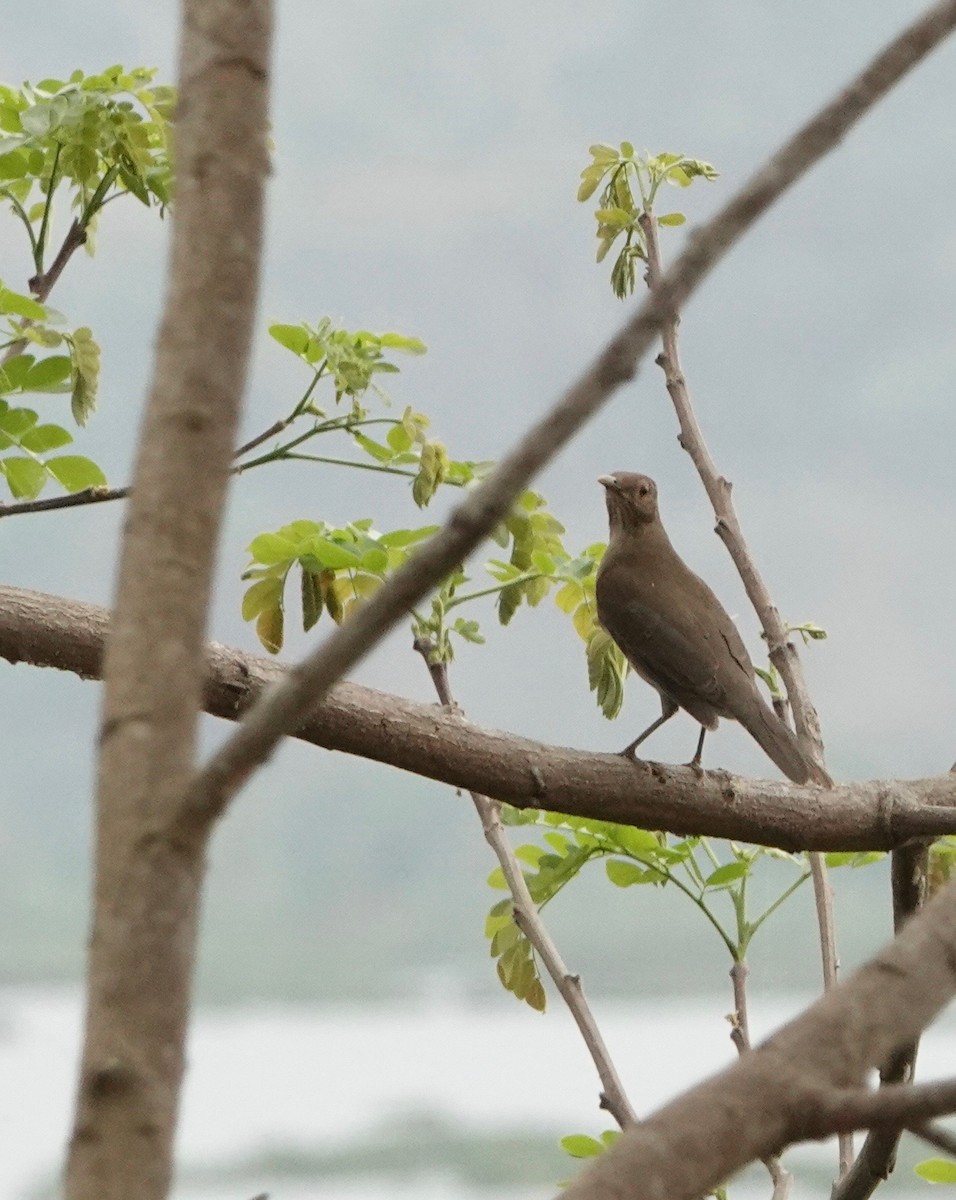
528 918
942 1139
897 1106
719 491
487 504
877 1157
91 495
740 1036
774 1096
44 630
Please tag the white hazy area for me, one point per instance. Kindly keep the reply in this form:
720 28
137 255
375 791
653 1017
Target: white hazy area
307 1078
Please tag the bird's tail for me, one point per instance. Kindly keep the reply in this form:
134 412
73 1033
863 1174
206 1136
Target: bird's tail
780 744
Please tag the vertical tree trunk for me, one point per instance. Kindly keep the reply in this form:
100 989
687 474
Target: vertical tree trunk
148 882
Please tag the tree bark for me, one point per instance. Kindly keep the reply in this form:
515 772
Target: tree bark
422 738
148 882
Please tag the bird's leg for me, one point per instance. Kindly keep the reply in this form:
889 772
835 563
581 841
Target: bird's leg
694 763
668 710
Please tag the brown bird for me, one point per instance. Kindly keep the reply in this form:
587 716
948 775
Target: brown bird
675 633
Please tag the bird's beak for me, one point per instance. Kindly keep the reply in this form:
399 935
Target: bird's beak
608 481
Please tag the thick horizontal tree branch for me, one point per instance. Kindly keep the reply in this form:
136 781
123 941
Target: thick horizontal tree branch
44 630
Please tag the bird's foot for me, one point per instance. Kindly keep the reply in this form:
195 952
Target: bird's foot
695 766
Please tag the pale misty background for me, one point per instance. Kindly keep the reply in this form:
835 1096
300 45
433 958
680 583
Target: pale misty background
426 162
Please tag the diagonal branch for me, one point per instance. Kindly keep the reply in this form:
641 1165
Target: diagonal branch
483 508
781 1093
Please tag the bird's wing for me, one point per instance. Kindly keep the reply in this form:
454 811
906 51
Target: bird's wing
670 654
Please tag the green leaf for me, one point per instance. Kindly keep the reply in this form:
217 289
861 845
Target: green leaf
590 182
19 305
331 554
499 915
14 422
13 165
398 341
269 629
48 373
674 218
853 858
614 216
293 337
86 373
264 593
270 548
638 841
311 598
569 596
624 874
14 371
25 476
580 1145
726 874
42 438
936 1170
399 438
406 537
534 996
469 630
75 473
380 453
432 469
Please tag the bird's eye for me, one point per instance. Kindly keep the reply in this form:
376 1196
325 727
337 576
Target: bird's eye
643 490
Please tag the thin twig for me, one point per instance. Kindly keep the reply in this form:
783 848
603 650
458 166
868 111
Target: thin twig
719 491
613 1097
728 525
91 495
740 1036
877 1157
942 1139
794 1086
487 504
42 285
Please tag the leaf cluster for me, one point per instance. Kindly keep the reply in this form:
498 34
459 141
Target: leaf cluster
351 361
100 134
94 138
633 857
338 567
630 183
25 321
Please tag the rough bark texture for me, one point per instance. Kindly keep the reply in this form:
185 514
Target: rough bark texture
788 1088
148 882
877 815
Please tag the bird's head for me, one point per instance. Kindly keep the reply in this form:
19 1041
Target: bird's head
631 499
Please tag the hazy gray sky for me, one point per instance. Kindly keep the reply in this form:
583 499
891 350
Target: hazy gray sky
426 163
